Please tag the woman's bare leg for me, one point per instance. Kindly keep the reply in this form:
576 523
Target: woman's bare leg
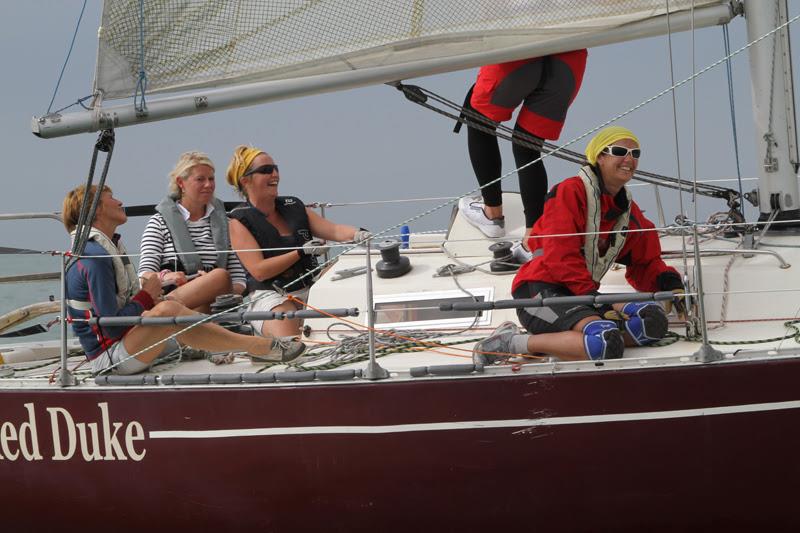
201 292
282 328
207 336
568 345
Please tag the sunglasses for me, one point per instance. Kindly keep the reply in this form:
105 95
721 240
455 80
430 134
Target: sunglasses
263 169
621 151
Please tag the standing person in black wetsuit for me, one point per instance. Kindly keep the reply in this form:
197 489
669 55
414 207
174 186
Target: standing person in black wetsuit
545 86
266 221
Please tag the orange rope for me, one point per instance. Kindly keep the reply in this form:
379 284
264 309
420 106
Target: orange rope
409 339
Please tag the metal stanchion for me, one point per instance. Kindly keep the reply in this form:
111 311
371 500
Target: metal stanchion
65 377
374 370
706 353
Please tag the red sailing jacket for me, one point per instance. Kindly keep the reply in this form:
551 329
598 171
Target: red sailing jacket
562 261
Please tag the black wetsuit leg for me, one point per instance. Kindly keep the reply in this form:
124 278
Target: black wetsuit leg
532 179
484 153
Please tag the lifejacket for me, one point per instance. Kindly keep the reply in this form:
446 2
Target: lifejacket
598 264
188 258
294 213
125 275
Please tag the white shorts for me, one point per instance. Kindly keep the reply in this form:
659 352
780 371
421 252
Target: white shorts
129 365
268 300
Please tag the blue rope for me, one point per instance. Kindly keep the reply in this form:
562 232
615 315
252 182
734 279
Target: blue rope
64 66
727 41
141 85
79 102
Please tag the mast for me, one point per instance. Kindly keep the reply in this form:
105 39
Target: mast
773 110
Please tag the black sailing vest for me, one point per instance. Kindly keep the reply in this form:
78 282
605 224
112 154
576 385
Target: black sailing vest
294 213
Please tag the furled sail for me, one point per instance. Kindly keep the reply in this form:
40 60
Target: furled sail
207 43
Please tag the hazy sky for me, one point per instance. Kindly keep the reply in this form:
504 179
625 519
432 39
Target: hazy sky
358 145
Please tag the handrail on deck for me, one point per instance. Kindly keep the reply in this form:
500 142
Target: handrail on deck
725 251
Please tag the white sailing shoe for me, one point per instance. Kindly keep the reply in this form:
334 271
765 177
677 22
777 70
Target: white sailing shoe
499 342
472 209
520 253
284 349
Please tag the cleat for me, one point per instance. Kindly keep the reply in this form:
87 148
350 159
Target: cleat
472 210
284 349
499 342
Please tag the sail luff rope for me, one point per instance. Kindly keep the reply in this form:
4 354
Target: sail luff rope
500 178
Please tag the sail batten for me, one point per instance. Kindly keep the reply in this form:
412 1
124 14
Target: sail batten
200 43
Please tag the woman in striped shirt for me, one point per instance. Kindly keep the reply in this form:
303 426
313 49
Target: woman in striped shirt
180 241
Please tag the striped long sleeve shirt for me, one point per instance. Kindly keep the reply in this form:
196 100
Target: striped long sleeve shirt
158 249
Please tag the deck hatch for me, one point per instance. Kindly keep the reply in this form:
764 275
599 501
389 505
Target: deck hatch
421 309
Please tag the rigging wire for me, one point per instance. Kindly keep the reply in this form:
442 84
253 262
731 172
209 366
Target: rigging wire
64 66
729 70
694 118
677 146
420 96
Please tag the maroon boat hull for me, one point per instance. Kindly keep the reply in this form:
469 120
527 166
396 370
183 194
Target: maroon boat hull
672 469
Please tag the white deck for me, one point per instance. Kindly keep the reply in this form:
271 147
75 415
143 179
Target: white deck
757 308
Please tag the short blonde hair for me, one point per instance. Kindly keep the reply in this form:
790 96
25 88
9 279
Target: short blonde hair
71 208
184 166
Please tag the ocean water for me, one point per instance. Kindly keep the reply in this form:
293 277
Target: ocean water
16 295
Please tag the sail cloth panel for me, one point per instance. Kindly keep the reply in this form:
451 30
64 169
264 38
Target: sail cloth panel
209 43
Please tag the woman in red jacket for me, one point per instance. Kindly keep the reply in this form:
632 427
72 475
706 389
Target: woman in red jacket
590 222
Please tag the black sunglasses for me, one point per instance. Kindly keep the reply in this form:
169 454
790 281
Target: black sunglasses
621 151
263 169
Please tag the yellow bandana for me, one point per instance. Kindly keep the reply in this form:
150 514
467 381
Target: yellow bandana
606 137
242 160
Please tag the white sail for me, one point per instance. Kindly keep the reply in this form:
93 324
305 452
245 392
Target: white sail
207 43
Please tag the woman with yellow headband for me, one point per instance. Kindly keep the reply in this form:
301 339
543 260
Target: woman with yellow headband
589 216
276 236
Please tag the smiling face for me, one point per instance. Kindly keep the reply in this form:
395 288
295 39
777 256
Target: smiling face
110 211
198 185
617 170
260 184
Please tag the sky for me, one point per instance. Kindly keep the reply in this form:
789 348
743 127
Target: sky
352 146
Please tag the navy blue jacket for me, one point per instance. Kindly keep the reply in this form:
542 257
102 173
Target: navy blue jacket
92 280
